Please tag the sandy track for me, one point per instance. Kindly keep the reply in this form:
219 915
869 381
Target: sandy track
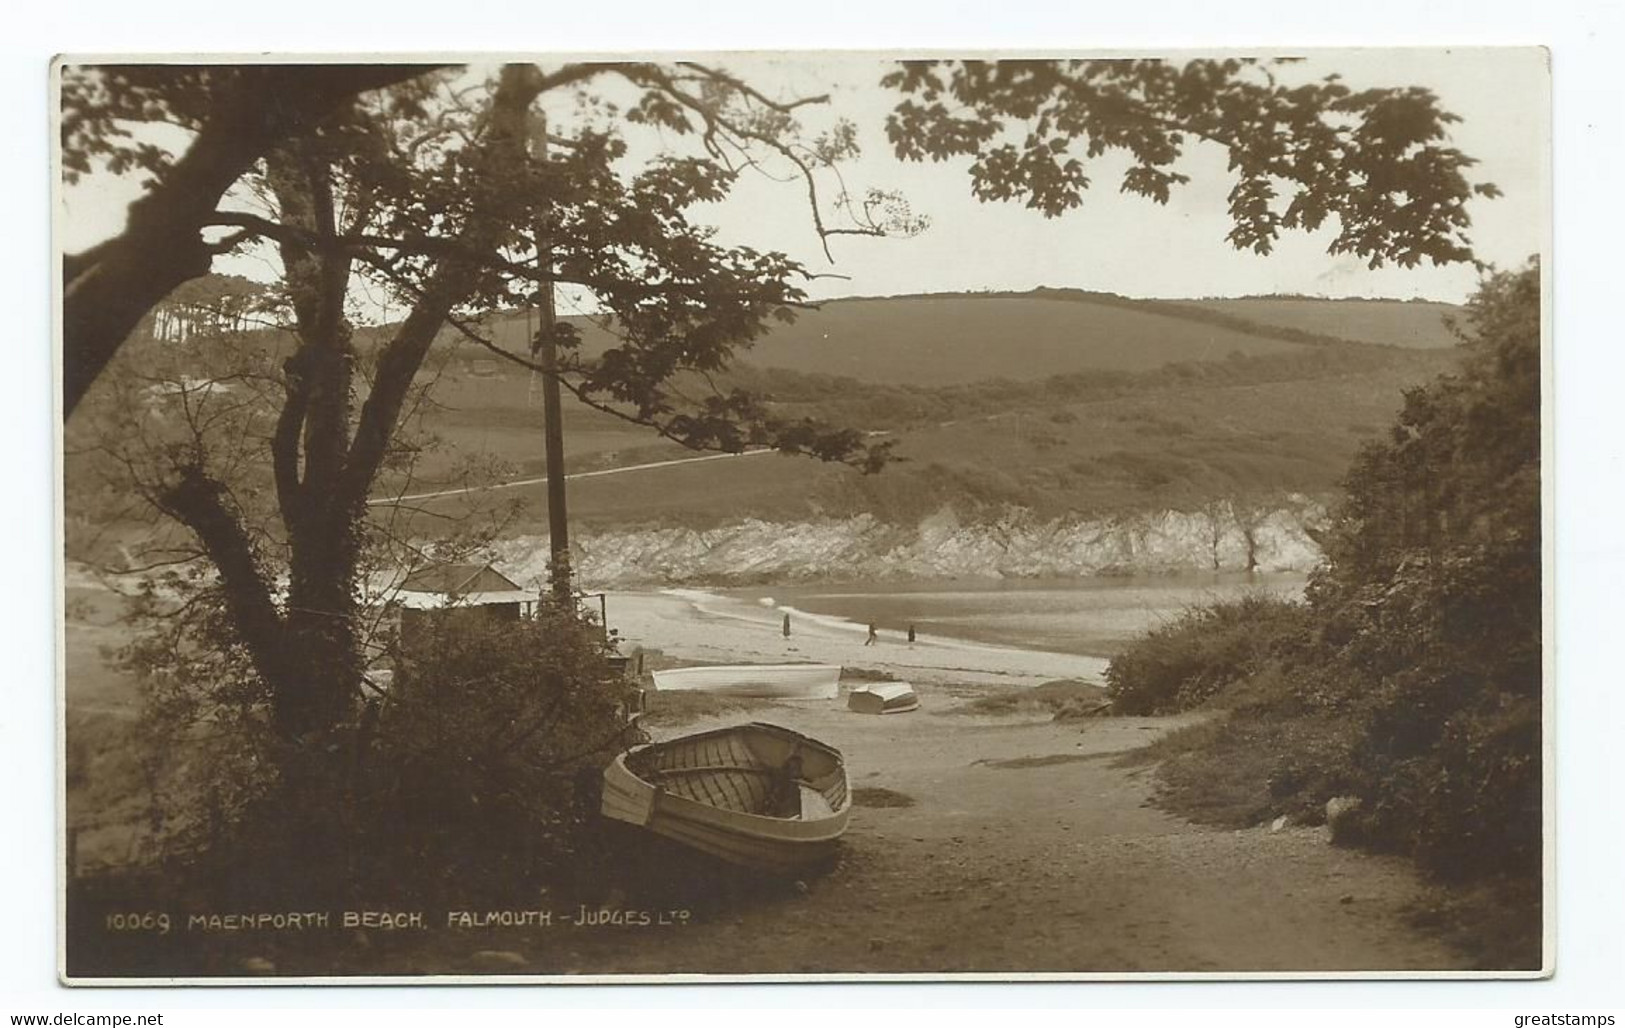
1026 849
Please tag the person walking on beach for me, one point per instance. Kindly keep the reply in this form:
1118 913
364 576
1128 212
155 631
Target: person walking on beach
874 636
911 635
787 626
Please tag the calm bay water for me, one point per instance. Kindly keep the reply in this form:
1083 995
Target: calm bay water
1088 616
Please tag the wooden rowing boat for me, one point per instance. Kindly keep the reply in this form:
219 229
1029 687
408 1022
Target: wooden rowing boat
883 698
778 681
756 795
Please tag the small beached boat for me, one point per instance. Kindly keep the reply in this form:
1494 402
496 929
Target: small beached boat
778 681
756 795
883 698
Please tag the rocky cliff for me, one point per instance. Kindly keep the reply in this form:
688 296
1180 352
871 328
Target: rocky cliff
1219 537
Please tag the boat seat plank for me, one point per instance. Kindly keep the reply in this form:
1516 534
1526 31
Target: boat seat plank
707 768
746 772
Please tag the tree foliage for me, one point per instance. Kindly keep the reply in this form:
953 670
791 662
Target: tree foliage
1375 160
440 193
235 115
1432 592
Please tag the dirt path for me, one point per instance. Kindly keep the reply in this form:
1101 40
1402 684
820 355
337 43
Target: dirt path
574 476
1026 848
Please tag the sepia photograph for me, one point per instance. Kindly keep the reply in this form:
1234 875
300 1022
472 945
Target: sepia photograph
808 516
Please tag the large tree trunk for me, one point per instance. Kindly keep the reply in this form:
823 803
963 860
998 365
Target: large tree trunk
322 475
321 628
309 657
324 531
201 503
309 652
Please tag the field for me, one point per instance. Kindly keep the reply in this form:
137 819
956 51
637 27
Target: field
954 338
1415 324
949 340
1142 445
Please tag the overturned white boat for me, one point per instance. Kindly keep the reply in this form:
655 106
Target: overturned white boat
774 681
883 698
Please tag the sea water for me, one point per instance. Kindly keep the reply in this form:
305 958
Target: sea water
1090 616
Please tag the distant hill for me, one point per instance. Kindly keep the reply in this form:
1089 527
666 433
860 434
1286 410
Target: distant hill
1058 401
1414 324
935 341
957 338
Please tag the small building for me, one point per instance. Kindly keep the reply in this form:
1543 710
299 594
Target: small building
478 587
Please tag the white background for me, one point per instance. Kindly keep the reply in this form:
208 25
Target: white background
1589 376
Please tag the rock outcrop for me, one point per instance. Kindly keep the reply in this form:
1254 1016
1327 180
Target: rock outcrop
1217 538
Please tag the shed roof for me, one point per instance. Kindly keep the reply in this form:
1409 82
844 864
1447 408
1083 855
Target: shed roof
459 580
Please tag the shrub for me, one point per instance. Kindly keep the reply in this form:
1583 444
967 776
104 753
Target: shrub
487 753
1238 771
1432 593
471 778
1449 765
1422 634
1206 650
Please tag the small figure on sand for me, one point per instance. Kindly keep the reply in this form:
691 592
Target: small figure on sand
911 635
787 626
874 636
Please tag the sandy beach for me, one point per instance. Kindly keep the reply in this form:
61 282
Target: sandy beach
1011 843
983 839
697 627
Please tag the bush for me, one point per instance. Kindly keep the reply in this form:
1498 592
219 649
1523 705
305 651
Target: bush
472 778
1193 659
1432 594
485 763
1422 633
1451 773
1239 771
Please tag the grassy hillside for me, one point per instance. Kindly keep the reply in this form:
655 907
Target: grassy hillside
500 416
1417 324
953 339
1247 427
1060 401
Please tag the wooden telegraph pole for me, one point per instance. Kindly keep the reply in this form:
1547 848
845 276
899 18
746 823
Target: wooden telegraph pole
544 350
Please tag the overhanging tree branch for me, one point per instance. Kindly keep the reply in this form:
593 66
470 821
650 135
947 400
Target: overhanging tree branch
109 288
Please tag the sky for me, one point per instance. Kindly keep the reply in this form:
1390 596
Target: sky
1114 242
1129 245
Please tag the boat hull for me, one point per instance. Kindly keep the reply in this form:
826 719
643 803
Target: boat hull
885 698
772 681
727 793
